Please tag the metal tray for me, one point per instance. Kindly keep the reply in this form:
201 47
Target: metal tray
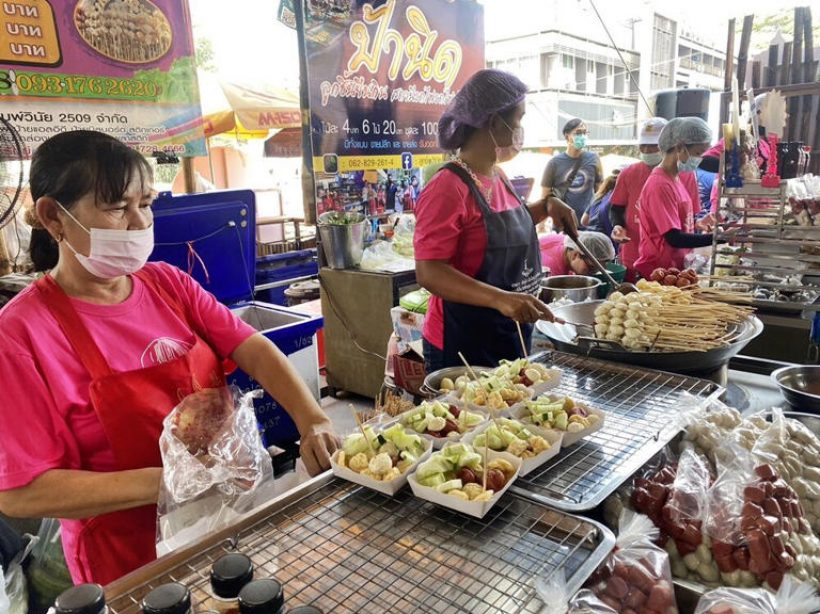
564 338
641 407
346 548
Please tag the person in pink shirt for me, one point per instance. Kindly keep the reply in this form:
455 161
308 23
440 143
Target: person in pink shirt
624 211
475 243
666 206
762 151
98 352
561 256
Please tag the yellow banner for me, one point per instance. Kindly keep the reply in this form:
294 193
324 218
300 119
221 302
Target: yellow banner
331 163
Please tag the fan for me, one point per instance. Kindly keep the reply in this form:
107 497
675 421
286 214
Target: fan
11 184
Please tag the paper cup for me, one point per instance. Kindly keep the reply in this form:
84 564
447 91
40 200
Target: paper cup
390 487
554 437
477 509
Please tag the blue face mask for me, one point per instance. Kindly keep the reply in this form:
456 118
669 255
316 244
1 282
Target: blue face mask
580 141
690 165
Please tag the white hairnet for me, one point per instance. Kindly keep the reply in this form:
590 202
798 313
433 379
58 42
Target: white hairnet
598 244
486 93
684 131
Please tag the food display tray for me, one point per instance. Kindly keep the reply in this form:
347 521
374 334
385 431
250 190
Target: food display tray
642 408
345 548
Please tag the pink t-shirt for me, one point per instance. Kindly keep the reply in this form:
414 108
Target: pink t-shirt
627 191
46 416
553 254
665 204
450 227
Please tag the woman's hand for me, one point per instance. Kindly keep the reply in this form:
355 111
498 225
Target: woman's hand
563 216
523 308
318 443
619 235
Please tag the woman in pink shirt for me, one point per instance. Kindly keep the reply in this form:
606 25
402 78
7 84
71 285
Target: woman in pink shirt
102 348
666 208
475 242
560 255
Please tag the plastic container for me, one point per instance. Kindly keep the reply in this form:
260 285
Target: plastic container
265 596
343 241
618 272
229 575
82 599
302 292
171 598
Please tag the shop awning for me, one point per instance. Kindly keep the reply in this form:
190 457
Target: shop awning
286 143
254 111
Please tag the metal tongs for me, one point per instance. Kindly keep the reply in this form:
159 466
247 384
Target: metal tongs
625 288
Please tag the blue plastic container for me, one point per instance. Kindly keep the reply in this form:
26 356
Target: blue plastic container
212 237
280 269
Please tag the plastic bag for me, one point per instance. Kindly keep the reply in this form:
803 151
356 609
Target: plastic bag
381 256
793 597
636 576
758 525
215 467
47 572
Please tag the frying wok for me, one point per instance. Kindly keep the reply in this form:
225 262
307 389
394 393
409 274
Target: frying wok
563 336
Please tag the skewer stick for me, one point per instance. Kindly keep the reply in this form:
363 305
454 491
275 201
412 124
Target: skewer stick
486 447
524 352
359 423
469 368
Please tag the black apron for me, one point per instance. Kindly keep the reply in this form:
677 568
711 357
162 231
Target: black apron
512 262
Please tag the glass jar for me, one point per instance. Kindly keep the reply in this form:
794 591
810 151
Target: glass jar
229 575
82 599
171 598
262 597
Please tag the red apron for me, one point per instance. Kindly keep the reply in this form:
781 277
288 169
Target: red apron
131 407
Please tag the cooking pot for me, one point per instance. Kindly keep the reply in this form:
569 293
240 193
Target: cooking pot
576 288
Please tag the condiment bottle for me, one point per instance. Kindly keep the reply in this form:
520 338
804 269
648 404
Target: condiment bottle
172 598
305 609
229 574
82 599
262 597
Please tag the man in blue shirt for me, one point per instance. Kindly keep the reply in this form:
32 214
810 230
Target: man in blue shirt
574 175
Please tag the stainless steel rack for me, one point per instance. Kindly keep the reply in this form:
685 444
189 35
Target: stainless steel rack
345 548
777 247
642 408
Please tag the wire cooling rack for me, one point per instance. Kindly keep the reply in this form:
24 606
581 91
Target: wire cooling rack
642 407
345 548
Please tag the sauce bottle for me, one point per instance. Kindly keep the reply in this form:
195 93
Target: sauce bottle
229 575
82 599
172 598
262 597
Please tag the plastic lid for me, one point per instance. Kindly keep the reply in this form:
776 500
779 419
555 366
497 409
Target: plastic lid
172 598
230 573
305 609
261 597
82 599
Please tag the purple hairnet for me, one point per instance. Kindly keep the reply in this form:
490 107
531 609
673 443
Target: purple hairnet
488 92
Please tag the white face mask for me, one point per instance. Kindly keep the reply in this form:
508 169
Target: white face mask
114 253
652 159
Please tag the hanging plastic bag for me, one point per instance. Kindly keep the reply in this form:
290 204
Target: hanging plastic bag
793 597
636 577
555 596
215 467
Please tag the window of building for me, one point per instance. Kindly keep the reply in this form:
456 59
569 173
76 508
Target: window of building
568 60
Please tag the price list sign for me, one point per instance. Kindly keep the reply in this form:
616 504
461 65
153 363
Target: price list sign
124 67
380 75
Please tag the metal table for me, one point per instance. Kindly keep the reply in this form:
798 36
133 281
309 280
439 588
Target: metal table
345 548
641 409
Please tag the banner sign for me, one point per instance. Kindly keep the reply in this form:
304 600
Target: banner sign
380 75
124 67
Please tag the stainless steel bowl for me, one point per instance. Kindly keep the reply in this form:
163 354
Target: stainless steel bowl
432 383
800 386
576 288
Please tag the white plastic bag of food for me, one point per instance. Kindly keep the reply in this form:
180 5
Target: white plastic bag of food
215 467
636 576
793 597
